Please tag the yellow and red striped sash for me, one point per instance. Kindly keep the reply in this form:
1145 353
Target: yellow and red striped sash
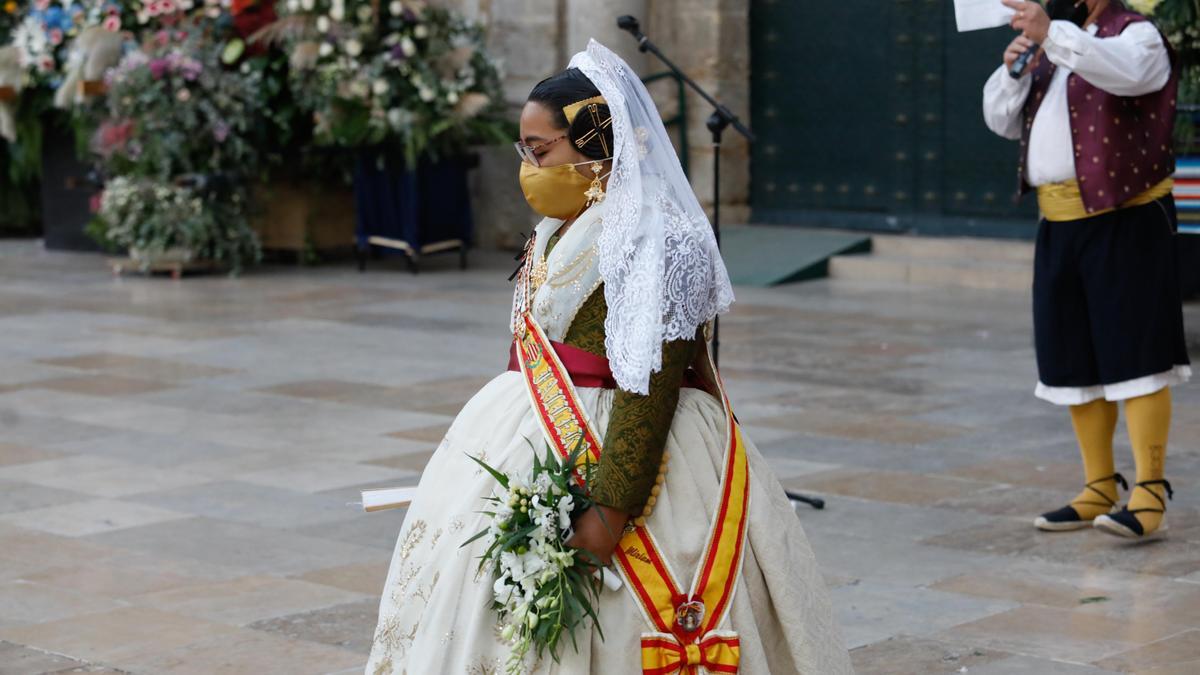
684 636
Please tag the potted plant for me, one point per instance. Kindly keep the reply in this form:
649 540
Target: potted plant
408 88
177 138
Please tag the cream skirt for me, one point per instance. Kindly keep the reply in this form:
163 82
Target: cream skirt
434 617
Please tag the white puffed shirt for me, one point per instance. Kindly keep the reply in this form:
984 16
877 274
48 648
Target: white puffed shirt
1133 63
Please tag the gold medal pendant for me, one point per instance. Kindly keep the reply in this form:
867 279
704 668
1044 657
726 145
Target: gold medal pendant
690 616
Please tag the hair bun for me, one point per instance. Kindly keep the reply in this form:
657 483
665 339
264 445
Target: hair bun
595 132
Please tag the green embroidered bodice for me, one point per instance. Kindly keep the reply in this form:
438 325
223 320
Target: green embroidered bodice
638 427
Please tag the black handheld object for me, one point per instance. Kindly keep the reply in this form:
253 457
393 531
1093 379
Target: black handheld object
1075 11
1022 62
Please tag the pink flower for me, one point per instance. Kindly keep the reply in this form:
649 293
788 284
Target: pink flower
113 23
152 9
162 38
220 132
56 36
112 136
47 64
42 5
191 69
94 202
158 68
167 6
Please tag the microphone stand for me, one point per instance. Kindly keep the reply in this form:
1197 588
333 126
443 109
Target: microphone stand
721 119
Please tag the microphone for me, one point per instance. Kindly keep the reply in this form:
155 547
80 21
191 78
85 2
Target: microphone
630 24
1075 11
1022 62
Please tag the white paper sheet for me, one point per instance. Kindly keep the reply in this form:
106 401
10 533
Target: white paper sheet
383 499
980 14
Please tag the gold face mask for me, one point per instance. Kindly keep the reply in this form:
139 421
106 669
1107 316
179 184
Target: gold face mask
555 191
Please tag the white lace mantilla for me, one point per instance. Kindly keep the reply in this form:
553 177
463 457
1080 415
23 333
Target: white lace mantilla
662 272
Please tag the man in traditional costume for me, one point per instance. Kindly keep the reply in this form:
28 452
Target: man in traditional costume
1095 115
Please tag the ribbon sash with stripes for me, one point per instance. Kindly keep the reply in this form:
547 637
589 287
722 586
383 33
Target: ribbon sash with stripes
669 647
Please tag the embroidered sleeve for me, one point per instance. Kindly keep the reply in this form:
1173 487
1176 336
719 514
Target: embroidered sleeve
639 425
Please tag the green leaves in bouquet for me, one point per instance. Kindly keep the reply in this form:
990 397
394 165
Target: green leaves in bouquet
567 598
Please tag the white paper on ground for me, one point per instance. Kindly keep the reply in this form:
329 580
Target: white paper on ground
382 499
980 14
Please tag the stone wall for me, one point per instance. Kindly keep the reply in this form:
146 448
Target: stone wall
709 39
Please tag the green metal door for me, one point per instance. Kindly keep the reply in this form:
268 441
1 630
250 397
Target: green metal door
868 117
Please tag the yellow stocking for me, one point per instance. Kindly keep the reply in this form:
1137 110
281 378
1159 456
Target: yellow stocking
1149 421
1094 425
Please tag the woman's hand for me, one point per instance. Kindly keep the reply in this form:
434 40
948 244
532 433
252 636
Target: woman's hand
598 530
1016 48
1031 19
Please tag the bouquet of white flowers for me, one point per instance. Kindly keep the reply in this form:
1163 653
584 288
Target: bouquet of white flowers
543 589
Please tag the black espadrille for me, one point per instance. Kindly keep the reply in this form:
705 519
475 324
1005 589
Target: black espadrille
1067 518
1124 523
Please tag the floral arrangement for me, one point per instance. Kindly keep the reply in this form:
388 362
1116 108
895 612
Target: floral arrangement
156 220
543 589
177 221
175 111
48 26
177 120
405 75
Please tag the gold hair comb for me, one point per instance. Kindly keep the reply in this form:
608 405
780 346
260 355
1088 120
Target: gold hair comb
571 111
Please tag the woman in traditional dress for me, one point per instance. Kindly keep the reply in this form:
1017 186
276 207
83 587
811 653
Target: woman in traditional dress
619 281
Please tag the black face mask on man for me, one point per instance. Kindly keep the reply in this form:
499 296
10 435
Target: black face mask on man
1075 11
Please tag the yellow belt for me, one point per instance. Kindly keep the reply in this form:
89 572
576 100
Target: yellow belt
1063 201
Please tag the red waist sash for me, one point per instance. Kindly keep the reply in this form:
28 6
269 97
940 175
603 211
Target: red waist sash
589 370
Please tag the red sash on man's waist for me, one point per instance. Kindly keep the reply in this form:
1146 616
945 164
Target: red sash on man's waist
589 370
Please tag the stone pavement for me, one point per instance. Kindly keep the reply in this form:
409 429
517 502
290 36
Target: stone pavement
177 459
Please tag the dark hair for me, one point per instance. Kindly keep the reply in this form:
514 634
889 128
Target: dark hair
572 86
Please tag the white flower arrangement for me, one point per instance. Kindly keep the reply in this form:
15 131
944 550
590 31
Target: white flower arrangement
543 590
364 61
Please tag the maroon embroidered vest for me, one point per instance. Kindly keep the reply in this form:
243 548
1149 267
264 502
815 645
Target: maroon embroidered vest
1123 145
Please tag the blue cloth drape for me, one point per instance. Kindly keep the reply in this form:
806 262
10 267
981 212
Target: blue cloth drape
420 207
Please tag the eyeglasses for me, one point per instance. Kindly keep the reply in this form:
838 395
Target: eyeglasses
528 153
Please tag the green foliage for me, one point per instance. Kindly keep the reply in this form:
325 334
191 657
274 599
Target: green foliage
1180 22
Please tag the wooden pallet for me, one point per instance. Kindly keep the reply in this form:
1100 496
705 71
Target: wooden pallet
175 269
